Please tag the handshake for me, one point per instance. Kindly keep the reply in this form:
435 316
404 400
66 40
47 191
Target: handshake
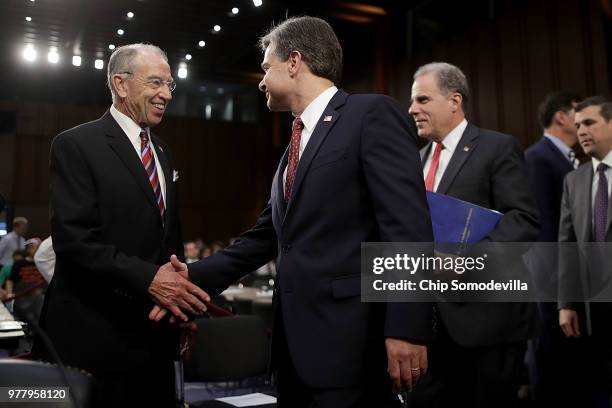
172 292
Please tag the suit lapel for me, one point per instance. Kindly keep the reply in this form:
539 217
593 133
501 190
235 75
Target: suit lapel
121 145
326 122
465 147
583 194
279 203
424 152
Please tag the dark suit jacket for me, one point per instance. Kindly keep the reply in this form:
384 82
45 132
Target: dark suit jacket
109 240
487 169
358 180
579 266
547 167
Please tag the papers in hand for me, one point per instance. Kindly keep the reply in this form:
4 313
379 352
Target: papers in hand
249 400
457 221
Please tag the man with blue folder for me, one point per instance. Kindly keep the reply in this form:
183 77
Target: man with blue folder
477 357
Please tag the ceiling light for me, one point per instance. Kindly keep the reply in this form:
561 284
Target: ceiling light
76 60
257 3
201 43
130 15
120 31
53 56
235 10
99 64
188 57
29 53
182 71
217 28
28 19
111 46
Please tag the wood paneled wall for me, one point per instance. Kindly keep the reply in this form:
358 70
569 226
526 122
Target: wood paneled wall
514 60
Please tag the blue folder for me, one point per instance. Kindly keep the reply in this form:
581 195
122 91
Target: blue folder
457 221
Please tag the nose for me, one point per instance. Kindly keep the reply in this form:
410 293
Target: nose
412 109
262 86
165 93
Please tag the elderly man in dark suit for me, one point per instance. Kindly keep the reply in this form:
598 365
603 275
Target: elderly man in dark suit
114 220
351 174
548 161
584 268
478 354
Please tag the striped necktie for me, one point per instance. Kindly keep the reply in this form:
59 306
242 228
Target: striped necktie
148 161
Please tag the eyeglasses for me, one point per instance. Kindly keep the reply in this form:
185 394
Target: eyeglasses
156 83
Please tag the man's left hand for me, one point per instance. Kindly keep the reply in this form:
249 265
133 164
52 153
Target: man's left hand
406 363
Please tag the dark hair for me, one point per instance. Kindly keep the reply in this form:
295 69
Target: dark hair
604 103
553 103
314 39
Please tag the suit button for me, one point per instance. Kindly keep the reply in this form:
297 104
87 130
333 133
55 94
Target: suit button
286 248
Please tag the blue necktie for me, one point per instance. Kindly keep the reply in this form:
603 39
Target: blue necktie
600 208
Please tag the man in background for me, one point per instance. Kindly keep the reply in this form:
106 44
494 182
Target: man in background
548 161
478 354
584 267
13 240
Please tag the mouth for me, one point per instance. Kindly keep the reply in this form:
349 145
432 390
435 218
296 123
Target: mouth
420 122
160 107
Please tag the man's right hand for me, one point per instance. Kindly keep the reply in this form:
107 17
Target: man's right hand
171 290
568 320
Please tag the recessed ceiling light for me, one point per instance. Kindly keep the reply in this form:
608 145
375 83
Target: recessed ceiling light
235 10
53 56
130 15
99 64
120 31
257 3
111 46
29 53
188 57
28 19
201 43
182 71
217 28
76 60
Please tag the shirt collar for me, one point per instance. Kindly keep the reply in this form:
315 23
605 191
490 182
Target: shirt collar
315 109
127 124
607 160
451 140
565 149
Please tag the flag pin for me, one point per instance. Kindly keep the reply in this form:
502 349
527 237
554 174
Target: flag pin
160 148
466 149
327 119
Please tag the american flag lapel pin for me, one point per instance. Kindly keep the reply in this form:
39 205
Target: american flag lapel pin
327 118
160 149
466 149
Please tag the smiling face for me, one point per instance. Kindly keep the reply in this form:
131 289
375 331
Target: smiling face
594 133
143 93
433 111
276 81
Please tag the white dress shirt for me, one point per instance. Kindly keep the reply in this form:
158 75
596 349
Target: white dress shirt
132 131
450 143
607 160
44 258
310 117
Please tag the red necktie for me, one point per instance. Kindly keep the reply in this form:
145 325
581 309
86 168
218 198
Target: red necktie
294 156
148 161
433 168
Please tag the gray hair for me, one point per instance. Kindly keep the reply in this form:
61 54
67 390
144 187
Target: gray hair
449 77
121 60
314 39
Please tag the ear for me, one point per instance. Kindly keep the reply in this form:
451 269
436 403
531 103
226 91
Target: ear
560 117
456 101
295 62
120 85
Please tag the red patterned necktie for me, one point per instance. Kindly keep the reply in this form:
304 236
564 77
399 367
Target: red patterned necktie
294 156
433 168
148 161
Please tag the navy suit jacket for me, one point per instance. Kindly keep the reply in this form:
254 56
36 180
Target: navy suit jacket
547 167
358 180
